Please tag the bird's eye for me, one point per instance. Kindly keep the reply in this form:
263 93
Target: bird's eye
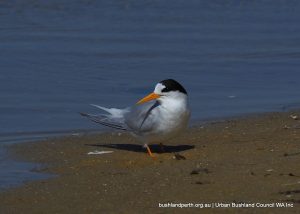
166 89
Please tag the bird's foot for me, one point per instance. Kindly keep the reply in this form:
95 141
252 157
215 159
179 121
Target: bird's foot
149 151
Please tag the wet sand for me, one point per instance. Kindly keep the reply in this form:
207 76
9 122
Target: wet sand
253 159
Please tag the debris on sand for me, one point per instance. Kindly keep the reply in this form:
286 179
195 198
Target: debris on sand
201 170
99 152
294 117
178 156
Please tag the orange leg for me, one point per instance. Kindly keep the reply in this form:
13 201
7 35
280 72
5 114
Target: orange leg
149 151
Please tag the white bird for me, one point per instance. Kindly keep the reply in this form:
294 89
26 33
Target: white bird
160 116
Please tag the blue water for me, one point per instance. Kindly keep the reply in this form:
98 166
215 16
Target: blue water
57 57
14 173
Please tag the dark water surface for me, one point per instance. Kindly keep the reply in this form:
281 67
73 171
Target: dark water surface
57 57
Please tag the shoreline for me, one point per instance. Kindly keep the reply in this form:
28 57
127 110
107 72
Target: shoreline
248 159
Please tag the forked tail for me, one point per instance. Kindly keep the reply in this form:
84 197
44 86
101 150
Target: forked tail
114 119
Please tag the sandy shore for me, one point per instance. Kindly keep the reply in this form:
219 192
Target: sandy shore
246 160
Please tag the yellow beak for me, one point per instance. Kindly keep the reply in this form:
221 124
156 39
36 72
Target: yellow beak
151 96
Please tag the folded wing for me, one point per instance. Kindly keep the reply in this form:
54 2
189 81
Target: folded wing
140 118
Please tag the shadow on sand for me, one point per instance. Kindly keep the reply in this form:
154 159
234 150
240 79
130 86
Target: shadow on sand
156 148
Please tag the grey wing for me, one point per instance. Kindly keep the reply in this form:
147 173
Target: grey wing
139 118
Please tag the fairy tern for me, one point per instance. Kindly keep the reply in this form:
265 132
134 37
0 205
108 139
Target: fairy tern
158 117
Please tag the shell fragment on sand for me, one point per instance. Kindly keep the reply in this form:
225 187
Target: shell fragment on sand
96 152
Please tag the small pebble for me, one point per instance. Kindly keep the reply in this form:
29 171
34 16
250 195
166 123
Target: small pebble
177 156
286 127
294 117
197 171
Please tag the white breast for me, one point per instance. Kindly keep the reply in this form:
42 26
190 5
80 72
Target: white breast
167 120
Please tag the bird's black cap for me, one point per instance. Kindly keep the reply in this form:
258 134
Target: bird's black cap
172 85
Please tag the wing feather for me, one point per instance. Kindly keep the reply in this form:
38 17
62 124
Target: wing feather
139 117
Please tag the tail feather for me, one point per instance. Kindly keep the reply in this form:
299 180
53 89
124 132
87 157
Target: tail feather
117 113
114 119
104 120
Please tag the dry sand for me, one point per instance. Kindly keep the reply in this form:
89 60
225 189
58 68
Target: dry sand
246 160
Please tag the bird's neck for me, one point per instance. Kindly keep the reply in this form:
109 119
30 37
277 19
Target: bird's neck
175 104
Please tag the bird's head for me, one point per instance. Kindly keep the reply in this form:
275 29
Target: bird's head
166 89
